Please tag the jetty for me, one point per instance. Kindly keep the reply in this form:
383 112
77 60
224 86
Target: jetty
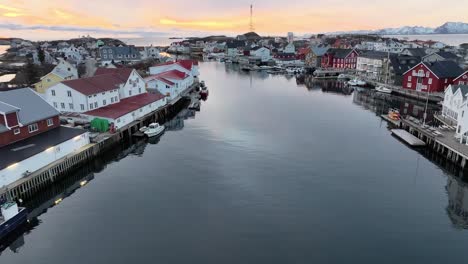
408 138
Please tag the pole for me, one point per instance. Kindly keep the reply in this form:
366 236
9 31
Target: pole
425 109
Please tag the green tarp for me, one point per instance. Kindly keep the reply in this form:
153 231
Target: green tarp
101 125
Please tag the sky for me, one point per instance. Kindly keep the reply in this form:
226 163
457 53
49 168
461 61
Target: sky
55 19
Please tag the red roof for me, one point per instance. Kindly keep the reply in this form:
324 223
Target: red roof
156 77
125 106
173 74
123 73
187 64
96 84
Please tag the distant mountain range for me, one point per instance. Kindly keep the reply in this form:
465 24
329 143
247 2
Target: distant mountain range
447 28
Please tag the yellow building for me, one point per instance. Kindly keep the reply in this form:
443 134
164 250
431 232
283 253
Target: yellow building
62 72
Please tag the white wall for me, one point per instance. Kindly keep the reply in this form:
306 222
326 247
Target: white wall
36 162
135 85
77 99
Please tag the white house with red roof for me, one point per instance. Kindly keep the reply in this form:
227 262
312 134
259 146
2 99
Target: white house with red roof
108 86
170 83
188 66
128 109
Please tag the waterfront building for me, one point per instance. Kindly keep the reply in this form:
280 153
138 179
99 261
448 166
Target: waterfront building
314 58
170 83
373 65
108 86
454 97
431 77
63 71
289 48
128 109
119 54
340 59
234 48
462 79
31 136
261 52
398 66
190 67
149 53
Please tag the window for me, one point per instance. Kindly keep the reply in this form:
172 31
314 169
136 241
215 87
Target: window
95 105
118 120
446 80
112 100
409 78
104 102
116 99
48 80
89 96
141 110
70 106
91 106
50 122
62 105
408 85
33 128
130 93
17 131
139 90
53 92
82 107
103 93
430 80
69 94
55 104
427 74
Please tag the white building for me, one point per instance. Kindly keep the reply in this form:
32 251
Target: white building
290 48
109 86
373 65
170 83
261 52
150 53
454 98
72 54
190 67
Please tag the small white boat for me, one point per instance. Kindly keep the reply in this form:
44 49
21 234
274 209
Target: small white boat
356 82
195 105
228 61
153 130
382 89
342 76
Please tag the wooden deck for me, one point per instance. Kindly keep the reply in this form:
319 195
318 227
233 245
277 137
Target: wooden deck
408 138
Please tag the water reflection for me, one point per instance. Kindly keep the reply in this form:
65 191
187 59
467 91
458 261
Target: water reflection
57 193
380 103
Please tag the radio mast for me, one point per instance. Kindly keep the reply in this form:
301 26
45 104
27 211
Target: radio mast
252 29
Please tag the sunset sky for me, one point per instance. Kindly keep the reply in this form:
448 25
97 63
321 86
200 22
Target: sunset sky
48 19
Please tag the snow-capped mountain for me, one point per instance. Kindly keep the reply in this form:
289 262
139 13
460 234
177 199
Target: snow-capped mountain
447 28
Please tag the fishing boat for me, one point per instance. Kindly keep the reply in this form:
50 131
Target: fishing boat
204 91
394 114
356 82
342 76
382 89
11 217
153 130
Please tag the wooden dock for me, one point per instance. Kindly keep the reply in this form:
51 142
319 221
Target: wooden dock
408 138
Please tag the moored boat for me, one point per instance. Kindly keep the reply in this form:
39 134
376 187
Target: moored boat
11 217
356 82
383 89
204 91
153 130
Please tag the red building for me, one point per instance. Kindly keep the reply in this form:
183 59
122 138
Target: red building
462 79
24 114
340 59
432 77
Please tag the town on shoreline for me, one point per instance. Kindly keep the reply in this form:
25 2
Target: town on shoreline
69 101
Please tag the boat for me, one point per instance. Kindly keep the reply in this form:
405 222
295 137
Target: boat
228 61
11 217
265 68
342 76
356 82
382 89
153 130
394 114
204 91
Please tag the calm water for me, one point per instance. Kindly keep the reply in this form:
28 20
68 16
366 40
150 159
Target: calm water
272 170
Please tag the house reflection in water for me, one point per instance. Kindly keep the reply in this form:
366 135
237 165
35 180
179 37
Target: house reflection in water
380 104
326 85
457 208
